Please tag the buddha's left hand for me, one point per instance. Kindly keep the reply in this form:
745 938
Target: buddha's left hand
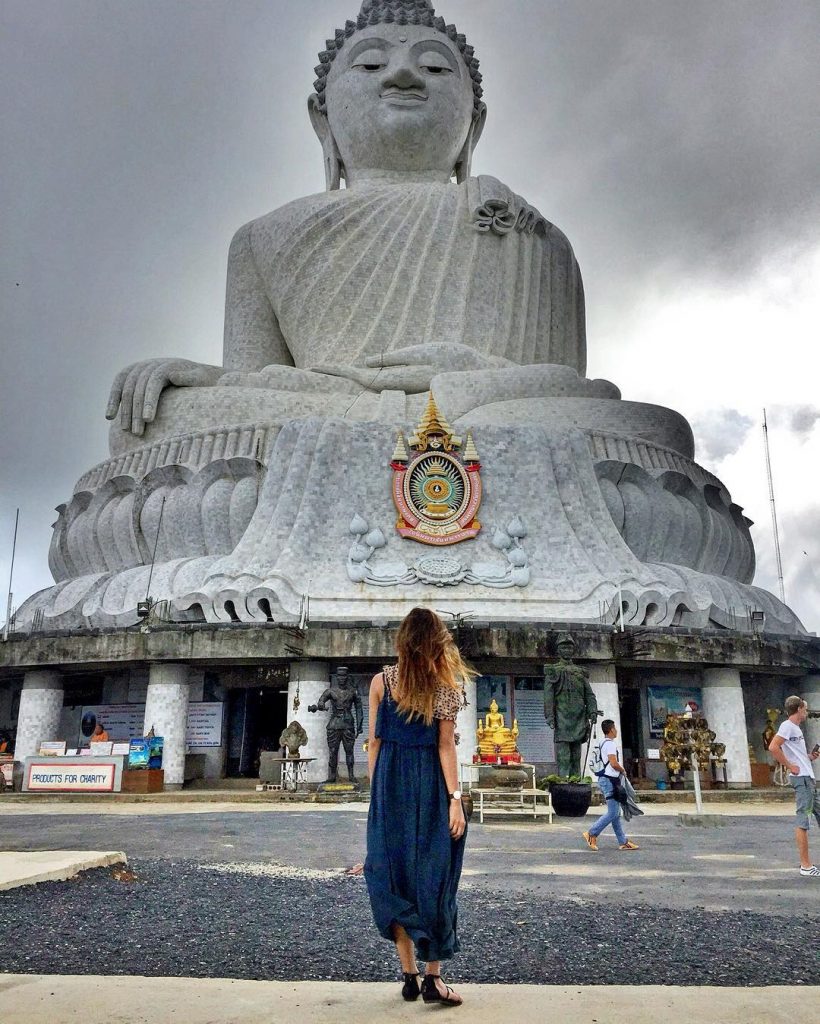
412 369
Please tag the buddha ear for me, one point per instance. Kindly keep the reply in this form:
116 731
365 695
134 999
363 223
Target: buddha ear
465 157
333 162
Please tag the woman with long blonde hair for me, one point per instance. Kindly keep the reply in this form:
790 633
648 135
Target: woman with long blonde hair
416 827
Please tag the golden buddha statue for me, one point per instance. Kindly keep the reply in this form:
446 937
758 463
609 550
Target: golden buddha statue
497 743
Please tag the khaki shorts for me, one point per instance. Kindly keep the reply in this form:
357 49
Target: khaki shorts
805 790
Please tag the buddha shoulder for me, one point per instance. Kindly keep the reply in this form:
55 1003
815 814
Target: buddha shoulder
272 230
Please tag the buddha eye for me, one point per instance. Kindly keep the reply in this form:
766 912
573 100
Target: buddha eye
434 63
370 60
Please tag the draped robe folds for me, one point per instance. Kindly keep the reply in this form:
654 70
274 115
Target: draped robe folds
337 277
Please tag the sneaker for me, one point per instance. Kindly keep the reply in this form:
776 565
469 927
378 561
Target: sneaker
629 846
811 872
592 841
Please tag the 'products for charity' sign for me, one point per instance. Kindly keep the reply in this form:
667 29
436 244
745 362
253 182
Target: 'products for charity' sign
49 774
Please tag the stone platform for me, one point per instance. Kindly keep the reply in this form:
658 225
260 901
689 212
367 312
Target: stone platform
579 523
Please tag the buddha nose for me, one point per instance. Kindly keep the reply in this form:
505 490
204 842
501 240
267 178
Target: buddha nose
403 75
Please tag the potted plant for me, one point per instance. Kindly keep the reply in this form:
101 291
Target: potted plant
571 795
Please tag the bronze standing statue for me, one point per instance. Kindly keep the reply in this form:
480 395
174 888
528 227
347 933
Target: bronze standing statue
570 706
345 722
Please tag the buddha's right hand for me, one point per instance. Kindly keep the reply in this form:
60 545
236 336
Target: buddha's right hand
136 389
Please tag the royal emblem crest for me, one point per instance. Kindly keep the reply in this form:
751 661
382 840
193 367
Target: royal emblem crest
436 484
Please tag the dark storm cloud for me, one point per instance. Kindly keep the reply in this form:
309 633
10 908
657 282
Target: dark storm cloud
720 433
681 136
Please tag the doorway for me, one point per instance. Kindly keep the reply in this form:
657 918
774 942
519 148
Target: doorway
631 731
256 718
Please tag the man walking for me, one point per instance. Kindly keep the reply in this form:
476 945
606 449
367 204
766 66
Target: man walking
789 748
610 783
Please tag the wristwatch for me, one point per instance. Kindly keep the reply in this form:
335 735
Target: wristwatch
456 794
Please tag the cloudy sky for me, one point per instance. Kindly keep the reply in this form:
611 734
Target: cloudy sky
676 144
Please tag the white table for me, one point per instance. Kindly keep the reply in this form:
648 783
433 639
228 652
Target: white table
501 800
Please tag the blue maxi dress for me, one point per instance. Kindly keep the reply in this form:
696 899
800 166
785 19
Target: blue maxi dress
413 864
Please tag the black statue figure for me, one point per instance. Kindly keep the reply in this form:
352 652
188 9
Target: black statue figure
342 727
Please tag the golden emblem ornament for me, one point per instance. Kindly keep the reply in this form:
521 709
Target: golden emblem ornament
436 486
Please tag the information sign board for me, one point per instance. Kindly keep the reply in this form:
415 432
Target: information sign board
124 721
53 775
536 741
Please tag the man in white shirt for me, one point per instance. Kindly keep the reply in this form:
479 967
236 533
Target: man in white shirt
608 783
789 748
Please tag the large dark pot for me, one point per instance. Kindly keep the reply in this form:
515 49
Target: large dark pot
571 799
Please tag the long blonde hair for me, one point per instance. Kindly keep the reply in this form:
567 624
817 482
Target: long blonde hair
428 659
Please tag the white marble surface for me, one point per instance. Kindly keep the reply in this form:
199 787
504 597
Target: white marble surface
724 710
41 704
605 687
322 472
310 679
166 712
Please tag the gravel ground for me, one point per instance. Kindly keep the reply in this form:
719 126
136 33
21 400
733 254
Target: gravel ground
262 921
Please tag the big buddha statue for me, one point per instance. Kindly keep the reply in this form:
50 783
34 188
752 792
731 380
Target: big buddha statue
409 285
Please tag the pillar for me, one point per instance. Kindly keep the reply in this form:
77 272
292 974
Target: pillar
724 710
466 725
310 679
166 711
604 685
810 692
41 704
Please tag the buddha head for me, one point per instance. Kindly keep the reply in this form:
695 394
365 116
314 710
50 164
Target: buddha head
398 94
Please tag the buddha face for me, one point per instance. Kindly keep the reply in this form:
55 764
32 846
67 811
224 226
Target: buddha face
399 98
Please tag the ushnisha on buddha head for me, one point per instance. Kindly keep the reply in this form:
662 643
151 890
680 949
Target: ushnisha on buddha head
398 97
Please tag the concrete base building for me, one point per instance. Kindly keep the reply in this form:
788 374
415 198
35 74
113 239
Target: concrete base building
250 678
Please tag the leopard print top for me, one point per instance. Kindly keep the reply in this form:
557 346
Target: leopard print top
447 702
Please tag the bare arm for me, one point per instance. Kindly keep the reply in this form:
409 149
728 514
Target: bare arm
449 767
776 750
253 338
373 742
613 763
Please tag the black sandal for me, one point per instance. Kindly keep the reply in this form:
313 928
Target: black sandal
431 994
410 989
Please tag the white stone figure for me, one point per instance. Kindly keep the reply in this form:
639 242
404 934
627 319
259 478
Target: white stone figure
405 274
343 311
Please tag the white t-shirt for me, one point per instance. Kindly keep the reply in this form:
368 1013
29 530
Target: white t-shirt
610 747
794 747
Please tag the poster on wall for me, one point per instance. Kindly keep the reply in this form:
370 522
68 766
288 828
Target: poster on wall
123 721
536 741
663 700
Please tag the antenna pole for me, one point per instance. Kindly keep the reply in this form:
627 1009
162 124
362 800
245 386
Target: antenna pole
774 511
154 555
11 576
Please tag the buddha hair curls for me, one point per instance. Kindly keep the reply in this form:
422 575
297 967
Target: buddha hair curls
428 659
